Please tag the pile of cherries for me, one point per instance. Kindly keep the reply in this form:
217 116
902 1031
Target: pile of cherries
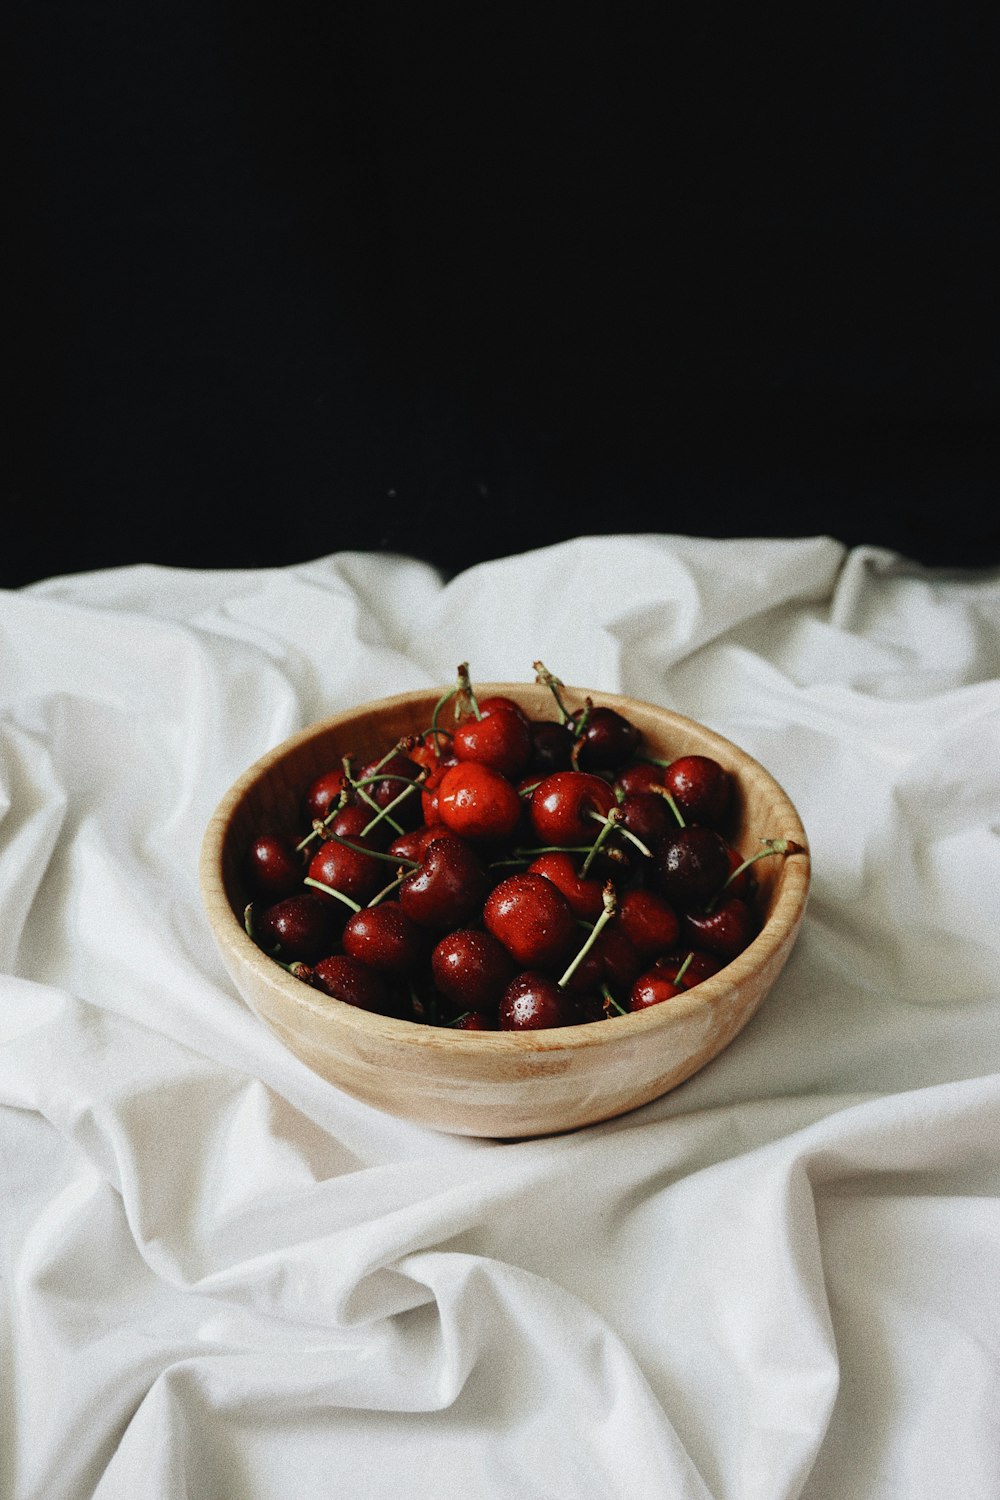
502 872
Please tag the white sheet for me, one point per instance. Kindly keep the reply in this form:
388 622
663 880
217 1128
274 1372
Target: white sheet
225 1281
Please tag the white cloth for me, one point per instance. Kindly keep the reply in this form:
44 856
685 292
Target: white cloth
223 1280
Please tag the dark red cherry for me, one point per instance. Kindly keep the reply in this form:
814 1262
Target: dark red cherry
385 779
472 968
475 1020
346 978
692 865
412 845
272 867
449 885
303 927
608 739
653 988
551 747
701 787
649 919
322 794
639 776
478 803
535 1002
612 960
500 738
346 869
697 966
725 930
385 938
648 816
584 894
567 807
357 823
532 918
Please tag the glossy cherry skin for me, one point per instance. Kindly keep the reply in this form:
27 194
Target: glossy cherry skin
303 927
272 868
500 738
535 1002
700 965
356 875
412 845
533 920
356 823
608 739
692 865
701 787
639 776
563 805
611 960
475 1020
648 816
478 803
726 930
322 794
385 938
653 988
448 887
346 978
584 894
471 969
649 919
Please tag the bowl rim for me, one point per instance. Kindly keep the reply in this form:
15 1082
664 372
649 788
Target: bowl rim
791 896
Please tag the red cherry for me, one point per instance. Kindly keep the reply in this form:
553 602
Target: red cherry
346 978
701 787
475 1020
608 739
272 867
652 988
385 779
477 802
449 885
500 738
563 807
697 965
532 918
413 844
471 968
648 816
584 895
385 938
639 776
725 930
612 960
499 700
649 919
551 747
692 865
356 875
322 794
534 1002
303 928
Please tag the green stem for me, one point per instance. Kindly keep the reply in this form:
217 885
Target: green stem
385 812
332 891
465 689
610 907
770 846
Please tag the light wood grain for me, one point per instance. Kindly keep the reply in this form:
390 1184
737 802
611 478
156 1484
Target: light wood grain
506 1084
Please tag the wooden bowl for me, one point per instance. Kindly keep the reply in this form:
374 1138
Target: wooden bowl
503 1085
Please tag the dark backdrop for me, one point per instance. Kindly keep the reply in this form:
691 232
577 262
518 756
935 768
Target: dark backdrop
290 278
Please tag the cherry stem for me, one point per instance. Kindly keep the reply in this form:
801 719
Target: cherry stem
465 689
384 812
578 729
661 791
770 846
361 788
683 969
546 679
388 889
610 907
332 891
439 705
392 859
320 825
613 820
610 1002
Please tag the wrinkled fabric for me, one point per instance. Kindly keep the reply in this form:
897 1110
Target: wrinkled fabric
221 1277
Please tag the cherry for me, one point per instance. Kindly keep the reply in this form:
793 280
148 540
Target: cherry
606 740
385 938
322 794
411 846
477 802
564 804
652 988
696 964
302 927
650 921
701 787
346 978
500 738
475 1020
647 816
584 894
534 1001
386 782
342 868
639 776
725 930
272 868
472 968
449 885
692 865
551 747
532 918
612 960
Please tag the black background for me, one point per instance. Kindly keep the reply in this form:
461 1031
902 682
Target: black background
288 279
